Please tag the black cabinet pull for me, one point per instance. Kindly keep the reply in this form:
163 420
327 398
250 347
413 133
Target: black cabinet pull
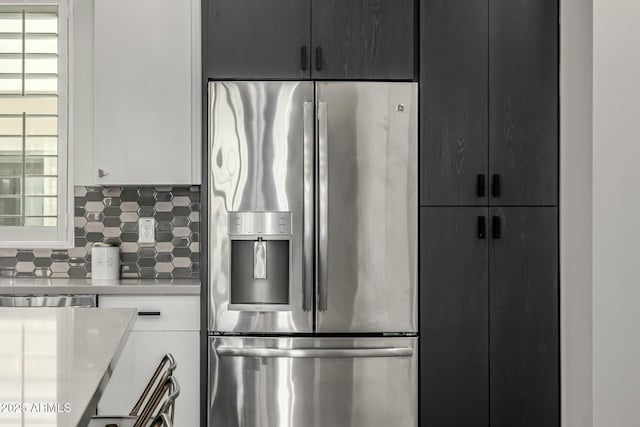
304 60
319 58
480 190
482 227
496 231
495 186
148 313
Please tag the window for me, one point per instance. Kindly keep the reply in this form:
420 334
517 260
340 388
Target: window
33 127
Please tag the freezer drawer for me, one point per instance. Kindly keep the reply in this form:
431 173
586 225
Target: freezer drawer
313 382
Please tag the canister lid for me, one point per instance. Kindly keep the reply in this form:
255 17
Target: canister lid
106 244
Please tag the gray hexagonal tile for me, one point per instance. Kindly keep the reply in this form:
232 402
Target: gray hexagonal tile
181 221
165 216
146 211
8 262
77 272
42 262
164 226
147 252
111 201
24 256
94 237
146 262
181 262
164 257
163 207
94 206
112 221
181 211
94 227
8 252
42 253
129 195
129 216
146 191
113 211
129 206
113 192
94 196
163 196
94 216
79 221
25 267
164 267
112 232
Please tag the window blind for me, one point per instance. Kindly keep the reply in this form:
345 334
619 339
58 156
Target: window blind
28 115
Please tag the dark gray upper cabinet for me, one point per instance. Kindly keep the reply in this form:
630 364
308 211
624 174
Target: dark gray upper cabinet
523 101
363 39
524 325
454 317
454 79
257 39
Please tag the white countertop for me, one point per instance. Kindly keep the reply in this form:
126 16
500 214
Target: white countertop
55 362
36 286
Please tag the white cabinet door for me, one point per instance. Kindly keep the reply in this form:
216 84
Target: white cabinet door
139 359
147 108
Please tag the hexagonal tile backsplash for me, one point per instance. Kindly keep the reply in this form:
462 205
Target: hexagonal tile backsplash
111 214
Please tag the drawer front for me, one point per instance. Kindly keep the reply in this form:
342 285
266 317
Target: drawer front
159 313
313 382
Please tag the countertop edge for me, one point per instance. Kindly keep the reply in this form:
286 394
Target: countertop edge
99 290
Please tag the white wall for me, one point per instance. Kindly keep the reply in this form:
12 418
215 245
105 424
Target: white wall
616 213
575 211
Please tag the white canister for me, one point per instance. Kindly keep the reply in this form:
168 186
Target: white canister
105 261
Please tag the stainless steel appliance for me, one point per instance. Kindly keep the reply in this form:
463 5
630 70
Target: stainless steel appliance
313 254
49 301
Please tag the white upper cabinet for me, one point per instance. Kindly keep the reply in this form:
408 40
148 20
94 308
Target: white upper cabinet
147 92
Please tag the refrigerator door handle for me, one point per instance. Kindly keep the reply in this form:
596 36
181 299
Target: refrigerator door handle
308 212
323 205
314 353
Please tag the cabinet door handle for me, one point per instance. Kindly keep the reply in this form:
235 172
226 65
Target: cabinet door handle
496 227
480 185
319 58
304 59
148 313
495 185
482 227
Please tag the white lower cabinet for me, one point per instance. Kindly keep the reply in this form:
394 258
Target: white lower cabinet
151 338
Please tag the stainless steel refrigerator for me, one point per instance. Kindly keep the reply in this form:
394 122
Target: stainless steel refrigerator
313 254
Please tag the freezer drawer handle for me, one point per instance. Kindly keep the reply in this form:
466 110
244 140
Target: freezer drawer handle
315 353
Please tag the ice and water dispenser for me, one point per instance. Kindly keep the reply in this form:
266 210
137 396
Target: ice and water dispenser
260 260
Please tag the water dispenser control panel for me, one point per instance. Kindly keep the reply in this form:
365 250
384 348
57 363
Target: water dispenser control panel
260 223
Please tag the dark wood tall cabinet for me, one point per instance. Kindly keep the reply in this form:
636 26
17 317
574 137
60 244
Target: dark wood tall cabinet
524 382
489 102
454 99
454 333
523 102
489 179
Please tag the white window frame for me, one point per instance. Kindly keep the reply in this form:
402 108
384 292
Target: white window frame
61 236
